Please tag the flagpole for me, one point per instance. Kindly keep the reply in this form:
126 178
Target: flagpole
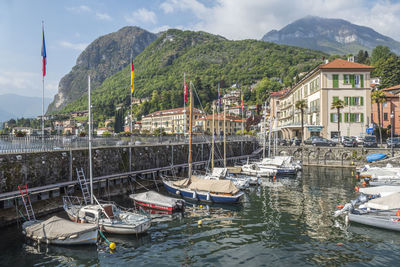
43 74
131 117
184 105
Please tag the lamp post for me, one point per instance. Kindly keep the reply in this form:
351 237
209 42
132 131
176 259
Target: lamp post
391 131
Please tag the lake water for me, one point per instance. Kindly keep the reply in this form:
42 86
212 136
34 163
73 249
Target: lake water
283 223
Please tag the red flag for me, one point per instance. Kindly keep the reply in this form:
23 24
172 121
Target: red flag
186 99
241 102
44 56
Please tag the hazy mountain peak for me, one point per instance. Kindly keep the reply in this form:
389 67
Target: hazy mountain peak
334 36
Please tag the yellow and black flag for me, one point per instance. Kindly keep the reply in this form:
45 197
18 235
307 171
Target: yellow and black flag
132 78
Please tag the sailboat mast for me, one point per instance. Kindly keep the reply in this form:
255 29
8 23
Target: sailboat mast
90 143
265 128
225 136
190 130
213 139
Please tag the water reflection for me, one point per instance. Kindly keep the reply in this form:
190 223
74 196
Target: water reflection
285 221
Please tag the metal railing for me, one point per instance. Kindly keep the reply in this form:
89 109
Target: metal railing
12 144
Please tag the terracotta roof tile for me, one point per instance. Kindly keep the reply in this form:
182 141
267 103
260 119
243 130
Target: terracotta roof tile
344 64
396 87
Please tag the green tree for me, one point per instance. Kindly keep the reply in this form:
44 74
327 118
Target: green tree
389 71
380 52
301 105
379 98
338 104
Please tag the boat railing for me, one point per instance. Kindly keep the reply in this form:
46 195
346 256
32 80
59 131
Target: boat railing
69 201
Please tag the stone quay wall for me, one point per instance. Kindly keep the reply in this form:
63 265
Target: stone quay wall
44 168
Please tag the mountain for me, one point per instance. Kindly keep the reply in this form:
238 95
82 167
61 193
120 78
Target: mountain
206 59
333 36
16 106
103 57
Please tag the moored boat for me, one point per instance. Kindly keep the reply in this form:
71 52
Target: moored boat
58 231
154 200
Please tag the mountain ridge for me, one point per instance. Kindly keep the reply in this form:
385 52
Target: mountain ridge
333 36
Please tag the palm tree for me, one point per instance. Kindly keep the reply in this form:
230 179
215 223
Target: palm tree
302 105
338 104
378 97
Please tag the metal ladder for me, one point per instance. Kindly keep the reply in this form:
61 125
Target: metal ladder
23 189
83 184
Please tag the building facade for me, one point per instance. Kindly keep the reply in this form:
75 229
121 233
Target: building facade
232 124
171 120
389 107
339 79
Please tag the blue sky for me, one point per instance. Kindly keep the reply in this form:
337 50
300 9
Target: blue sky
71 25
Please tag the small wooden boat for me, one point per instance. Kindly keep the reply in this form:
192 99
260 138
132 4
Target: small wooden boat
157 201
58 231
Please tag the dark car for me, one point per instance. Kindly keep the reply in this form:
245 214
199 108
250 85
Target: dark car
309 140
322 142
295 142
395 142
370 141
350 142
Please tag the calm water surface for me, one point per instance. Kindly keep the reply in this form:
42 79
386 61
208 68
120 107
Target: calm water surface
282 223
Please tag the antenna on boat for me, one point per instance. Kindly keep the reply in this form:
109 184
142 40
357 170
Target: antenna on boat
190 131
213 138
225 136
90 143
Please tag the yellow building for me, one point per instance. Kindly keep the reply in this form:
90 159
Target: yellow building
171 120
232 124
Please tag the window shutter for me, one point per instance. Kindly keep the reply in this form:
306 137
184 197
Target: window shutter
361 101
353 101
362 80
331 117
362 117
340 117
352 117
346 117
352 80
335 78
346 100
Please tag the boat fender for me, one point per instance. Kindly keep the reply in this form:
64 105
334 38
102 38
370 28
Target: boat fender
178 192
61 238
194 195
73 236
258 180
356 189
398 213
23 232
48 241
346 220
208 196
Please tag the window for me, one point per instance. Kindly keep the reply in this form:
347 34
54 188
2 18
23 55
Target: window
357 81
385 116
346 79
334 117
354 101
385 104
335 79
353 117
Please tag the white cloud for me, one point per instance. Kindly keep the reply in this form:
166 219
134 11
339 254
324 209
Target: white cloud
239 19
17 80
78 46
79 9
103 16
142 16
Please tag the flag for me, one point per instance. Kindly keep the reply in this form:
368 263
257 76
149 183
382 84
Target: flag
132 77
241 102
44 61
185 87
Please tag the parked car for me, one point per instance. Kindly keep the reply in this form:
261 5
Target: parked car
395 141
295 142
360 140
322 142
350 142
309 140
370 141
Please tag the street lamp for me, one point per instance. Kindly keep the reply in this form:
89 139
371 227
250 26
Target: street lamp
391 131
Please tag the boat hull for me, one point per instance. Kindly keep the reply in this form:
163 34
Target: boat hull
384 222
125 230
202 196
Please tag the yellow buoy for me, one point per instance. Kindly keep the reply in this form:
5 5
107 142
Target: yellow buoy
200 222
201 206
112 246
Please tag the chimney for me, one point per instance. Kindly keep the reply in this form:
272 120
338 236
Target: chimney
350 59
326 61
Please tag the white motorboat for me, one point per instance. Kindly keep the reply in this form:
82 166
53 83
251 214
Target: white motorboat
58 231
109 217
254 170
383 190
154 200
283 165
377 173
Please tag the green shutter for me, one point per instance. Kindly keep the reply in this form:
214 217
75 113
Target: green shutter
340 117
353 101
335 78
352 80
346 117
362 80
346 100
352 117
361 101
362 117
331 117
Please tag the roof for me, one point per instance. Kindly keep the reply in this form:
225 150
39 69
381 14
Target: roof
344 64
172 111
396 87
279 93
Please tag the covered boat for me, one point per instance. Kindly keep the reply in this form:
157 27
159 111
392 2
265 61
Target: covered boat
154 200
56 230
213 191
